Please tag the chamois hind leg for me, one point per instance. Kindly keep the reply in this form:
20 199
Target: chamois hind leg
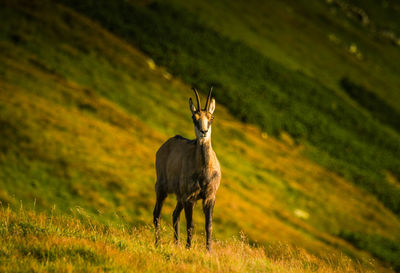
161 195
208 207
189 222
175 220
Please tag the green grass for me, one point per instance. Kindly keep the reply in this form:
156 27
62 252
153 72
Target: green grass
378 108
261 91
379 246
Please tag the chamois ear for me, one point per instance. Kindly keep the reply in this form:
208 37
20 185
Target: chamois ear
191 106
212 106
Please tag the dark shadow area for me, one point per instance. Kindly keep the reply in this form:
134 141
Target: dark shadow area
381 247
375 105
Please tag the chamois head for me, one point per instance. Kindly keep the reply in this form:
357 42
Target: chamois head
202 118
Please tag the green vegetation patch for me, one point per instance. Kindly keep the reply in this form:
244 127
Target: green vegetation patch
381 247
376 106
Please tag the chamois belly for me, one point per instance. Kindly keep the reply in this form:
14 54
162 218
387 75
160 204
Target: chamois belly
198 186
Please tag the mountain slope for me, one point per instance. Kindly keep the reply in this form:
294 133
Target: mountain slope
259 90
82 114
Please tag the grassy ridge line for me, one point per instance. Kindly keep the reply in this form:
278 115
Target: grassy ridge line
360 146
43 243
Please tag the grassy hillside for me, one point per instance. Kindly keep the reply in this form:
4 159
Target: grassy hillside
82 113
259 90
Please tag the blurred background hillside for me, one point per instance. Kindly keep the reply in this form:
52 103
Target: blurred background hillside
307 123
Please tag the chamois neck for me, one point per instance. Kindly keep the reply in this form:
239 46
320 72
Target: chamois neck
204 141
203 150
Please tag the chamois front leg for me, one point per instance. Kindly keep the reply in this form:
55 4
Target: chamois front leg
189 222
156 214
175 220
208 207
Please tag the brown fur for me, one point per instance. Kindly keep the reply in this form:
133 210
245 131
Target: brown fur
187 168
190 170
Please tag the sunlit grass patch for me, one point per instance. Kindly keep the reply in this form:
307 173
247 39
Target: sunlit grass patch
42 243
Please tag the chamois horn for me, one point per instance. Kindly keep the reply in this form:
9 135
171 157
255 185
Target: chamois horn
197 98
208 99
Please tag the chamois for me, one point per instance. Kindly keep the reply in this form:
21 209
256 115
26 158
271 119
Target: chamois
189 169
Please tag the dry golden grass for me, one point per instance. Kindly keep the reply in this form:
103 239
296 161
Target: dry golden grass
38 242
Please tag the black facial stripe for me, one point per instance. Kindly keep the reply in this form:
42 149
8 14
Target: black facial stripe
210 121
196 123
